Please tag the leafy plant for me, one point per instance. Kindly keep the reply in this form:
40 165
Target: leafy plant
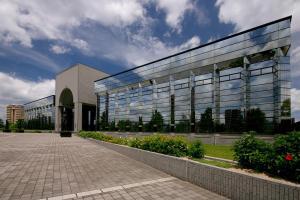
280 158
176 146
286 156
20 126
156 122
196 149
251 152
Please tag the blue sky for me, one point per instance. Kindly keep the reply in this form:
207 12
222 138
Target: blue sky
40 38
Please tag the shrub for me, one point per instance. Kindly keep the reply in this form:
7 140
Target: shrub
175 146
170 145
284 146
280 158
103 137
135 142
251 152
196 149
20 126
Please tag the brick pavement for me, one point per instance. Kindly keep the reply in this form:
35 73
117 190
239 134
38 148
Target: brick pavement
36 166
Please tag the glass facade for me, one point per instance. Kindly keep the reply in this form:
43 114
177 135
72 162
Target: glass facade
42 110
230 76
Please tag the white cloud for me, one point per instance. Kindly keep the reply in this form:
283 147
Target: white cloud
72 24
57 49
295 103
242 15
18 91
174 11
295 61
55 19
31 57
144 49
80 44
256 12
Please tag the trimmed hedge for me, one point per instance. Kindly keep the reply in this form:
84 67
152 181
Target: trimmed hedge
281 158
175 146
170 145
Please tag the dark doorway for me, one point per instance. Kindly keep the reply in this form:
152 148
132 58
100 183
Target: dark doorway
67 119
66 110
88 117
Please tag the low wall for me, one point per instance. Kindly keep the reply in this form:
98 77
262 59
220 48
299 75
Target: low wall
223 139
219 180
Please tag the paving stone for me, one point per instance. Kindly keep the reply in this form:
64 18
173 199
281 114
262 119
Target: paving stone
40 166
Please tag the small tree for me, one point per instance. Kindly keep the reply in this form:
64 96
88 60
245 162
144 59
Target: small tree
183 126
157 121
1 123
103 121
20 125
7 128
255 120
206 122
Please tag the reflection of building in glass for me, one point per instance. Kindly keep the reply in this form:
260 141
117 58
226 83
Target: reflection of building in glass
246 70
14 113
40 114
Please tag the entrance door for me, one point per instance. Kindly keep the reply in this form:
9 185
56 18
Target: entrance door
67 119
88 117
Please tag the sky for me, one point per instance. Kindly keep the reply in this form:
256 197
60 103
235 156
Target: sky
38 39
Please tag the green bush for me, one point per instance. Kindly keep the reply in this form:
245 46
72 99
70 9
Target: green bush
283 146
196 149
135 142
280 158
251 152
170 145
175 146
103 137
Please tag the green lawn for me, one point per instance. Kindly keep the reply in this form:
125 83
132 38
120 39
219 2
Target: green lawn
214 163
220 151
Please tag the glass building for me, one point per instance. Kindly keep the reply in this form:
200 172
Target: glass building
40 114
226 77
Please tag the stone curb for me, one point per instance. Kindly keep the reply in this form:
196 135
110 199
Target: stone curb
230 184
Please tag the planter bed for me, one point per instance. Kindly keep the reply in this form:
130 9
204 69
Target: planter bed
231 184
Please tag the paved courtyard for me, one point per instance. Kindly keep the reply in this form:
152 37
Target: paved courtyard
46 166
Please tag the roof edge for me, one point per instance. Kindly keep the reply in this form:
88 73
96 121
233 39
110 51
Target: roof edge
38 99
200 46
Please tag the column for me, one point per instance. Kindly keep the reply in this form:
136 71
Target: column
172 104
192 101
77 116
216 94
246 86
106 109
57 118
276 86
154 95
127 102
116 108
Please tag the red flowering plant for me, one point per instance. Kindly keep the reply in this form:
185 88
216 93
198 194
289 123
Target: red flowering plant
289 157
286 160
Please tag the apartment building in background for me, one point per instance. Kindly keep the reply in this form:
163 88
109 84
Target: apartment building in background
14 113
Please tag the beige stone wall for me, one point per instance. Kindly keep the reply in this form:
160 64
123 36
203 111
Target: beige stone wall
80 80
